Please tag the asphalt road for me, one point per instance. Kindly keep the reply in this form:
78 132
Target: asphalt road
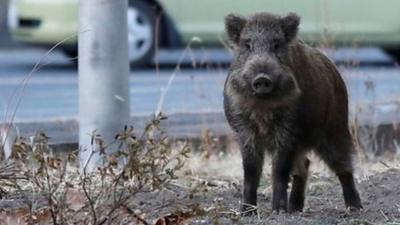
51 93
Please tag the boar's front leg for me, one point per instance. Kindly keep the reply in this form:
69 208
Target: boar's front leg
253 160
299 181
281 167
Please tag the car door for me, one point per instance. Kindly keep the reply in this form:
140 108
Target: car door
358 21
204 19
330 21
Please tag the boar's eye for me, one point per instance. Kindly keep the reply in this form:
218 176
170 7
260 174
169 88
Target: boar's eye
247 44
276 45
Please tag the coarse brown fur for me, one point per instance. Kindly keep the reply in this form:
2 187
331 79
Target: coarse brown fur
286 98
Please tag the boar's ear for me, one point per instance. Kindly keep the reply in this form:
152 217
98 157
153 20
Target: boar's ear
290 26
233 27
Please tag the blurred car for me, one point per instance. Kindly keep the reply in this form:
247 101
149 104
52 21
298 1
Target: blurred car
173 23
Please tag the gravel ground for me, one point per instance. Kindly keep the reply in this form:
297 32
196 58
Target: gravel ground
215 187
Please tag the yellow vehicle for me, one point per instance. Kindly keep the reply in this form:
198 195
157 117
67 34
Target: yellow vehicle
360 22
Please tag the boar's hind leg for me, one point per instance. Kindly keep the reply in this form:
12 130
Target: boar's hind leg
253 160
299 175
338 155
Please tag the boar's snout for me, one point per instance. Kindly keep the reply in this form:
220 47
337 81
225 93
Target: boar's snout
262 84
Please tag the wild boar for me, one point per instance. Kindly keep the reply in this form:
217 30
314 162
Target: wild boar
286 98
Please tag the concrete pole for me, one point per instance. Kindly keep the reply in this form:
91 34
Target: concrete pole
3 21
103 73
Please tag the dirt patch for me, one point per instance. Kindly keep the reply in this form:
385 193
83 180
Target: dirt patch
324 205
209 191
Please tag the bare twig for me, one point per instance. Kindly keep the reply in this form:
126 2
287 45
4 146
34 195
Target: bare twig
164 90
132 212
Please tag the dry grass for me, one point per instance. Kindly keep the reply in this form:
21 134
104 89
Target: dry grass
149 181
55 184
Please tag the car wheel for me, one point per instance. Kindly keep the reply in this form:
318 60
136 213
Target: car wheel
141 32
71 52
394 53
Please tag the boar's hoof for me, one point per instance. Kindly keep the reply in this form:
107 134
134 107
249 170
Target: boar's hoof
354 208
295 208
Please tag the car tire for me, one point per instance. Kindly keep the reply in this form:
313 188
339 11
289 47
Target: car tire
141 20
394 53
71 52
